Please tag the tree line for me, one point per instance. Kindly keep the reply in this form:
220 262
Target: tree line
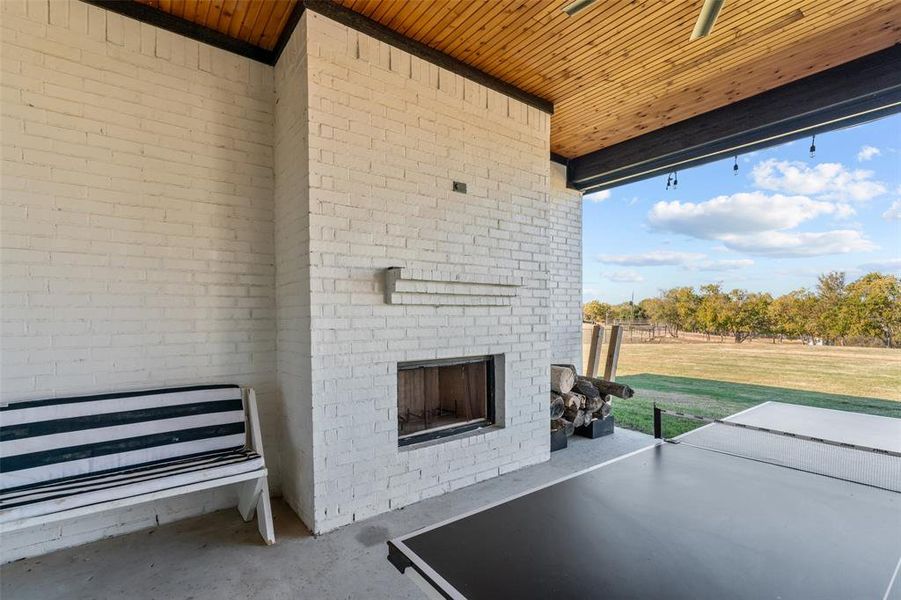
836 312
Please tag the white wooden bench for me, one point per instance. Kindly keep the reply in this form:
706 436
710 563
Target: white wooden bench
62 458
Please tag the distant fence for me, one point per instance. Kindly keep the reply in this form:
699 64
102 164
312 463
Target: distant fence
640 330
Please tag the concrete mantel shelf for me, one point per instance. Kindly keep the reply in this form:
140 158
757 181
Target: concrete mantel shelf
433 287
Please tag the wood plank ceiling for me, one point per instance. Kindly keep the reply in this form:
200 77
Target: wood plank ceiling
619 68
257 22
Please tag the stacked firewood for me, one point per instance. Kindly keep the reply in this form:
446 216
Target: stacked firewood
577 401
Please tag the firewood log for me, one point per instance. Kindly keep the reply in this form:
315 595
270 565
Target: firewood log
562 379
620 390
557 406
593 404
573 399
568 428
578 417
558 424
603 410
585 388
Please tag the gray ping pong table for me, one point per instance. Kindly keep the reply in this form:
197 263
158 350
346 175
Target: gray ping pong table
779 501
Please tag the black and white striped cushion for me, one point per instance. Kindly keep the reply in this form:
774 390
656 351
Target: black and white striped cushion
56 440
84 490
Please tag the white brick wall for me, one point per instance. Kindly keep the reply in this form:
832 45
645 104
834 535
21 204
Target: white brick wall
159 202
137 223
292 244
388 135
565 279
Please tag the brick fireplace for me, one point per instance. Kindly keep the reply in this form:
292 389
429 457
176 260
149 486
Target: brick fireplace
416 323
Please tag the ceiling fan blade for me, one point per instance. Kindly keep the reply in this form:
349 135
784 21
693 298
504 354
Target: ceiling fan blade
709 12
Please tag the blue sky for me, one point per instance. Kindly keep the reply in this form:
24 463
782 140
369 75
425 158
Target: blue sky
774 227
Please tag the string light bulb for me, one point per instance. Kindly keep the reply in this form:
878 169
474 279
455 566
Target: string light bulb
669 180
813 146
735 166
675 179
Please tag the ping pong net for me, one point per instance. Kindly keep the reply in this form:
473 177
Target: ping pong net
875 467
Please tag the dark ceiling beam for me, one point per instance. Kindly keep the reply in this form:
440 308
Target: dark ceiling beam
858 91
559 159
285 35
363 24
163 20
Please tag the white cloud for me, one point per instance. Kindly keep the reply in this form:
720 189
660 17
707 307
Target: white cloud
868 152
760 224
828 181
894 212
624 276
598 196
740 213
795 244
653 258
723 265
690 261
892 265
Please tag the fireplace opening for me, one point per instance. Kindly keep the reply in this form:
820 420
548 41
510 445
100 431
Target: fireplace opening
444 397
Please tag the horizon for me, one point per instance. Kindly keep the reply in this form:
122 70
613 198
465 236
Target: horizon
775 227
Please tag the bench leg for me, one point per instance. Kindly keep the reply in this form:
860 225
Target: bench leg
249 494
264 514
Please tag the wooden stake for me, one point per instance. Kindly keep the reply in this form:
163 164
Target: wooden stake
594 351
616 338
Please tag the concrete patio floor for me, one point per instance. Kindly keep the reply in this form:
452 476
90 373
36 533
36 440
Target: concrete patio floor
218 556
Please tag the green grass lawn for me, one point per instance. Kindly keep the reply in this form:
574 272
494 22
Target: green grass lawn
719 399
720 379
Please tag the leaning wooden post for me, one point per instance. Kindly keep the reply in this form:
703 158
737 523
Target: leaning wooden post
616 338
594 351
